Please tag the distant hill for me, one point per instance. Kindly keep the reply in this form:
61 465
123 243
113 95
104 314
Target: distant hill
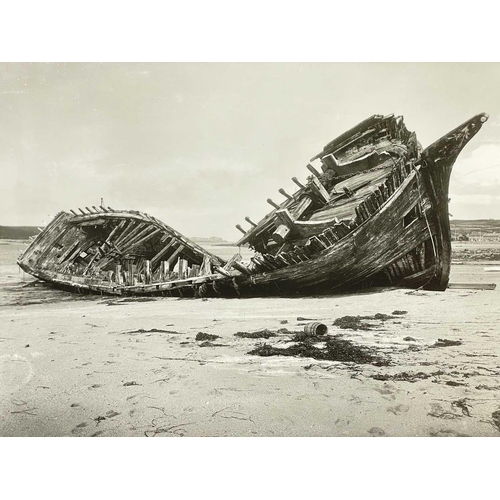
17 232
478 225
214 240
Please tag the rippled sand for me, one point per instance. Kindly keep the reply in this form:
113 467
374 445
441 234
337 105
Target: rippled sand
98 366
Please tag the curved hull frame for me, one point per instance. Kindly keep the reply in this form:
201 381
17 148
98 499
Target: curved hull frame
405 241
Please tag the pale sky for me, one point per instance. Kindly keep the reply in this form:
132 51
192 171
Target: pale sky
200 146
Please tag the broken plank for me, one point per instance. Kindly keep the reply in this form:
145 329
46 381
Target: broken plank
472 286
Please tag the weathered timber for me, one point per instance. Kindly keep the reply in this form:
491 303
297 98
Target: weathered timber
250 221
285 194
377 215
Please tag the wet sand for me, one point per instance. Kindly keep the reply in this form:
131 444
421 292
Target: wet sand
102 366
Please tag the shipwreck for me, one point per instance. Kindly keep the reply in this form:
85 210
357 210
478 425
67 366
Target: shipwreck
373 212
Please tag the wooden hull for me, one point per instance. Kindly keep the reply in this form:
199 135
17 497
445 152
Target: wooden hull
399 237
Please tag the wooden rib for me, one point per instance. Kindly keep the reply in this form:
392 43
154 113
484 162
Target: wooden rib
162 252
250 221
320 189
145 238
285 194
131 241
301 207
299 184
271 202
239 228
115 230
84 213
172 258
89 265
131 227
229 264
312 170
70 249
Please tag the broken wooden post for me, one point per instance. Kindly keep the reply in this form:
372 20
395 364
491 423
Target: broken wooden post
285 194
147 272
250 221
329 162
312 170
281 233
320 190
129 265
118 274
240 229
271 202
299 184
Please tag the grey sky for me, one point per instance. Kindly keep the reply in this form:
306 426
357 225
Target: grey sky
202 145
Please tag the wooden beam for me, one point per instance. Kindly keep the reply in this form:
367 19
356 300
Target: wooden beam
145 238
147 272
229 264
172 258
320 189
281 233
473 286
239 228
250 221
299 184
312 170
118 274
162 252
285 194
301 207
271 202
330 163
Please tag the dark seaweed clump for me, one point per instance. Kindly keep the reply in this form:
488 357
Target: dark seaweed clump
152 330
406 377
446 343
335 350
261 334
206 336
356 322
211 344
495 418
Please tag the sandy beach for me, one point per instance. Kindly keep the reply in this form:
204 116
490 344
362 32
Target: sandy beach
74 365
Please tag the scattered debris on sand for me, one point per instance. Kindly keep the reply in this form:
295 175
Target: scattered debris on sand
399 313
335 349
462 404
211 344
488 388
300 318
206 336
446 343
261 334
495 417
356 322
406 376
152 330
409 339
